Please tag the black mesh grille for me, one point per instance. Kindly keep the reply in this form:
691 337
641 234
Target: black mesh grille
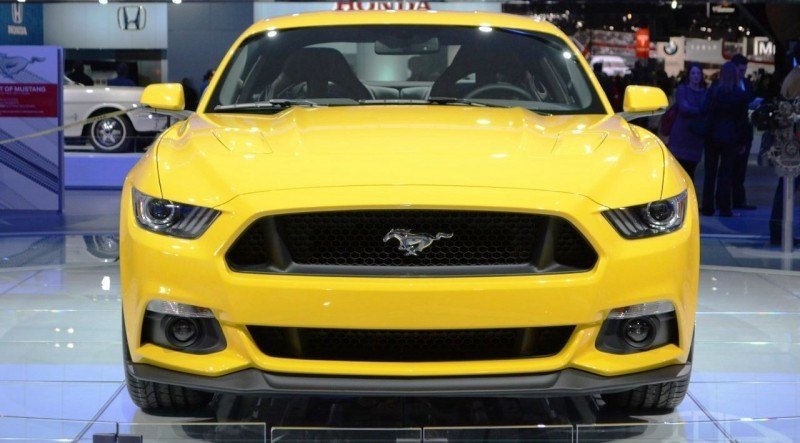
410 345
361 243
356 238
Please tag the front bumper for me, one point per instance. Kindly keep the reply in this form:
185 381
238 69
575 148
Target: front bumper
194 272
567 382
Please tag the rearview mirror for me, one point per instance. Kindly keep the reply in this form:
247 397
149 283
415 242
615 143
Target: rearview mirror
406 46
164 96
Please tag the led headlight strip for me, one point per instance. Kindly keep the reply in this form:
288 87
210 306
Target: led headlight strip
170 218
651 219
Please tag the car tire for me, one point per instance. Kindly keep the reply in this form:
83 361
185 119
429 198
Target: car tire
654 397
113 134
159 398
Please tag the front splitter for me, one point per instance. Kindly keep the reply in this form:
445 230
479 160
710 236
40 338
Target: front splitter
568 382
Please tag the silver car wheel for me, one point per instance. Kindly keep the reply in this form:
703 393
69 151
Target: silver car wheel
108 134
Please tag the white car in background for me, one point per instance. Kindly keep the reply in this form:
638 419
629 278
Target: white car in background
612 65
113 134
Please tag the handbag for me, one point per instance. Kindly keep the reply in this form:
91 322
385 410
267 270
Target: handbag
668 120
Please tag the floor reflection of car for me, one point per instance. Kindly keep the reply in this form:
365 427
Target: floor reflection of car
114 134
103 246
45 250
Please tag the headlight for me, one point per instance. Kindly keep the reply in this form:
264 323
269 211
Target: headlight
170 218
658 217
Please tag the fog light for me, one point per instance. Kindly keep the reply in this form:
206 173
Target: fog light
639 328
639 332
183 332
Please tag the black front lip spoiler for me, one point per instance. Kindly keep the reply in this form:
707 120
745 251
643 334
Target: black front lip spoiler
568 382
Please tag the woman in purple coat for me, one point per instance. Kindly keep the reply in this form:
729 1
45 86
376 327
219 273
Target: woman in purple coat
685 146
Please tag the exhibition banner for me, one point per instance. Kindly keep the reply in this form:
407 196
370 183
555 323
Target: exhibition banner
642 43
31 169
21 24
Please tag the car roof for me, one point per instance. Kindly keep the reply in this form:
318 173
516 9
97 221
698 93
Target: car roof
344 18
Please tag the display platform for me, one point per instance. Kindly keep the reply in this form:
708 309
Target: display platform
61 376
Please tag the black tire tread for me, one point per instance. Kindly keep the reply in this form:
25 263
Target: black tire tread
657 396
159 397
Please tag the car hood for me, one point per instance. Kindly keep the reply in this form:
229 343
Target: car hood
211 158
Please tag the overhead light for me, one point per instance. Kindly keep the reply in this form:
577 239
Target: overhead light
630 16
103 2
674 4
177 2
21 1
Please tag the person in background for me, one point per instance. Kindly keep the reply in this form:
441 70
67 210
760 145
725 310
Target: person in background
790 90
122 77
604 79
206 80
189 95
689 98
78 76
726 105
743 155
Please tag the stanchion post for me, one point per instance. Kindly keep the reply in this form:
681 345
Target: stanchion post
788 213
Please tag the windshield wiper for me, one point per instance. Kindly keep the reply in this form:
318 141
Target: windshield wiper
431 101
461 101
275 103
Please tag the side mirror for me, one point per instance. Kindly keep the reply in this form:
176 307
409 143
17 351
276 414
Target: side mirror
164 96
642 101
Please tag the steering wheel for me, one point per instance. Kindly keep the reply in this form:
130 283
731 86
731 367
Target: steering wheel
525 95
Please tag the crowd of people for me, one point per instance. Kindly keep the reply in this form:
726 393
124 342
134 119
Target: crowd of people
709 121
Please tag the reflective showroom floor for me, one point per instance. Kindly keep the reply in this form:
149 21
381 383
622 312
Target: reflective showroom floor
60 362
61 376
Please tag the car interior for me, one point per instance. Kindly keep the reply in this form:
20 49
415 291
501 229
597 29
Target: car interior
389 64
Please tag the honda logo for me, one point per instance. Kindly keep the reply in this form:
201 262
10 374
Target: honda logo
17 14
131 18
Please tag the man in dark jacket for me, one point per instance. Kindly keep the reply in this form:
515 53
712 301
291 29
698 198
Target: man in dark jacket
78 76
122 77
742 157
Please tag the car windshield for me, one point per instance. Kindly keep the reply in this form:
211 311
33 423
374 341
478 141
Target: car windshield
404 65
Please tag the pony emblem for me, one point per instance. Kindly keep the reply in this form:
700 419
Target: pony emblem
413 243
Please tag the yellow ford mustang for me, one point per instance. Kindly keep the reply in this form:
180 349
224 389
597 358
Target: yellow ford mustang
407 203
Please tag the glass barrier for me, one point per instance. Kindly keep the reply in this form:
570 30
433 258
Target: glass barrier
46 429
193 432
776 429
779 429
555 433
341 435
706 431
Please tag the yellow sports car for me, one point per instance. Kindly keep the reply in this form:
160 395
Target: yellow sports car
407 203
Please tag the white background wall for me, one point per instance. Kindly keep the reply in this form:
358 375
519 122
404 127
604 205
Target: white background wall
94 26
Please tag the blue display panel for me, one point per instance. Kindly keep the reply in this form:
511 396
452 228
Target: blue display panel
31 146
